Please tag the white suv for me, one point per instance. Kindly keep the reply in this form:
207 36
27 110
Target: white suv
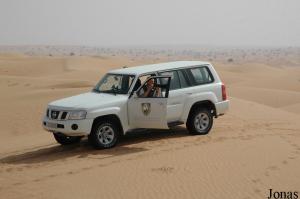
155 96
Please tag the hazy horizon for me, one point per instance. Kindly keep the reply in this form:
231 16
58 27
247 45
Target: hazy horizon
230 23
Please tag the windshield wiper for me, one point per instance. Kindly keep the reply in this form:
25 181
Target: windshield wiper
96 90
108 92
114 91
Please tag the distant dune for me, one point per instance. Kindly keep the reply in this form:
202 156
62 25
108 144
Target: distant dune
253 148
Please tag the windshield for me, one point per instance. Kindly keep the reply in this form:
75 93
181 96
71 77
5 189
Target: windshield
114 83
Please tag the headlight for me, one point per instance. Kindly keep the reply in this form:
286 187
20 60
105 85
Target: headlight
77 115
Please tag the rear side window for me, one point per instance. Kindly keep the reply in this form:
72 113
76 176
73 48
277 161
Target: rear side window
200 75
183 79
175 84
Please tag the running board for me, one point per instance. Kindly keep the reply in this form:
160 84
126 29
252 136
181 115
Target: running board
176 123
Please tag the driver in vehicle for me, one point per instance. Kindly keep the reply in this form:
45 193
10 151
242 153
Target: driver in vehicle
150 90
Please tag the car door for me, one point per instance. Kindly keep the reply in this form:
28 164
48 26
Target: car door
177 94
149 109
176 99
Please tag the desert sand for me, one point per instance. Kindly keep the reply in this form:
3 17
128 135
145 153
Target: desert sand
253 148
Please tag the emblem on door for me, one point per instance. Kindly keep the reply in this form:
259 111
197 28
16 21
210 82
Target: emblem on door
146 108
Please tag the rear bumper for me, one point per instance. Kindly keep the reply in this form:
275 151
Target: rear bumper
65 126
222 107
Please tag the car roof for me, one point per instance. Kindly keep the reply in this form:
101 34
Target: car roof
137 70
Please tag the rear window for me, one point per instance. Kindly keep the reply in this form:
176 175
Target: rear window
200 75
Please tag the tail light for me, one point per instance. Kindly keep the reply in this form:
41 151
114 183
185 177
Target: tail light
224 95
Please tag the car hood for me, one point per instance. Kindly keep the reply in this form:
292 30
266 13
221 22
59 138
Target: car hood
89 100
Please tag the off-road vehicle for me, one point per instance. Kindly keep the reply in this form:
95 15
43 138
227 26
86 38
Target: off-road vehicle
156 96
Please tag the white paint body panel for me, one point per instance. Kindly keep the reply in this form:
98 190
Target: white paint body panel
156 118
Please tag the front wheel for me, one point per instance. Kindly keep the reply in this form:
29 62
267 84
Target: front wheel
104 135
66 140
200 122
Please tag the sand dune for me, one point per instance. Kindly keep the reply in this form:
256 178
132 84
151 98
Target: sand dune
253 148
294 108
271 97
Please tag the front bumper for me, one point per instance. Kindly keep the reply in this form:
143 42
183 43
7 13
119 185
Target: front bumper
67 127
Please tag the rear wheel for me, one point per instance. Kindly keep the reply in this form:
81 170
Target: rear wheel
66 140
104 135
200 121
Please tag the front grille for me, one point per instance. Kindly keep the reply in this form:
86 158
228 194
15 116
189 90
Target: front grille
56 114
64 115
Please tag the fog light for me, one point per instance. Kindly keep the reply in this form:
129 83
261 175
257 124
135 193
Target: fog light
74 127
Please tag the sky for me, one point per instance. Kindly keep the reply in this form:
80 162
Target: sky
151 22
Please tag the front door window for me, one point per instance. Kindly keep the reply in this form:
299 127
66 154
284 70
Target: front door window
155 88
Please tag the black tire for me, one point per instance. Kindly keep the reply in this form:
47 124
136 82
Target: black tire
197 127
66 140
104 134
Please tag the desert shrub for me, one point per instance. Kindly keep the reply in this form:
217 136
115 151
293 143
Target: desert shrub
230 60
